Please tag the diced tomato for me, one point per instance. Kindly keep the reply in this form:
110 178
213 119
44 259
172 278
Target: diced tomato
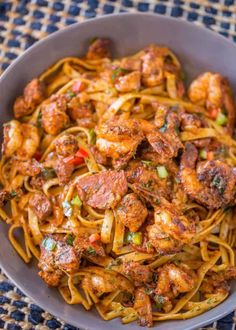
73 160
38 155
81 153
210 155
214 113
94 237
78 86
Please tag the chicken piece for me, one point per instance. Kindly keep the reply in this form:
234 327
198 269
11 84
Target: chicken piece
142 304
66 145
40 205
118 139
164 141
146 180
139 274
57 256
63 171
99 158
131 64
129 82
211 184
173 280
54 117
217 282
131 212
152 67
29 167
103 190
170 231
33 95
38 181
21 140
191 122
99 49
213 91
51 278
82 113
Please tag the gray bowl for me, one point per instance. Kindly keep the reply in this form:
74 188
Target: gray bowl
198 49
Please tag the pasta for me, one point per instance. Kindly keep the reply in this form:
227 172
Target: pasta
123 183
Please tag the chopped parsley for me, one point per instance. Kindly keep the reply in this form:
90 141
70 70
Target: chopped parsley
70 239
119 72
90 250
48 173
70 94
13 193
159 300
219 183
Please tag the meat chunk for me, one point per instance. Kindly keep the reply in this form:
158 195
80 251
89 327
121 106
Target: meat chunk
152 68
142 304
103 190
99 49
164 141
40 205
129 82
29 167
140 274
82 113
66 145
131 212
51 278
146 180
33 95
131 64
118 139
56 256
54 117
63 171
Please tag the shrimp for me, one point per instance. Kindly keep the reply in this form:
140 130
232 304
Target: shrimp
13 138
173 280
211 184
104 282
21 140
129 82
170 231
30 142
214 92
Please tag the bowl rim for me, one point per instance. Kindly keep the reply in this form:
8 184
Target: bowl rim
27 52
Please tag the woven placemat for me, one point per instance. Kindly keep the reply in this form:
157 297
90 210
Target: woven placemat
22 23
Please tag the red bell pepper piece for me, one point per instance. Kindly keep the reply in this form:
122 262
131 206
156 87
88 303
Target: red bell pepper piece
94 237
81 153
78 86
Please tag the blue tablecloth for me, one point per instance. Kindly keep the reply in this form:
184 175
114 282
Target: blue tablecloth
22 23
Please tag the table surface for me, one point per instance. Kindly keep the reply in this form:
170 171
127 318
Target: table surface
22 23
